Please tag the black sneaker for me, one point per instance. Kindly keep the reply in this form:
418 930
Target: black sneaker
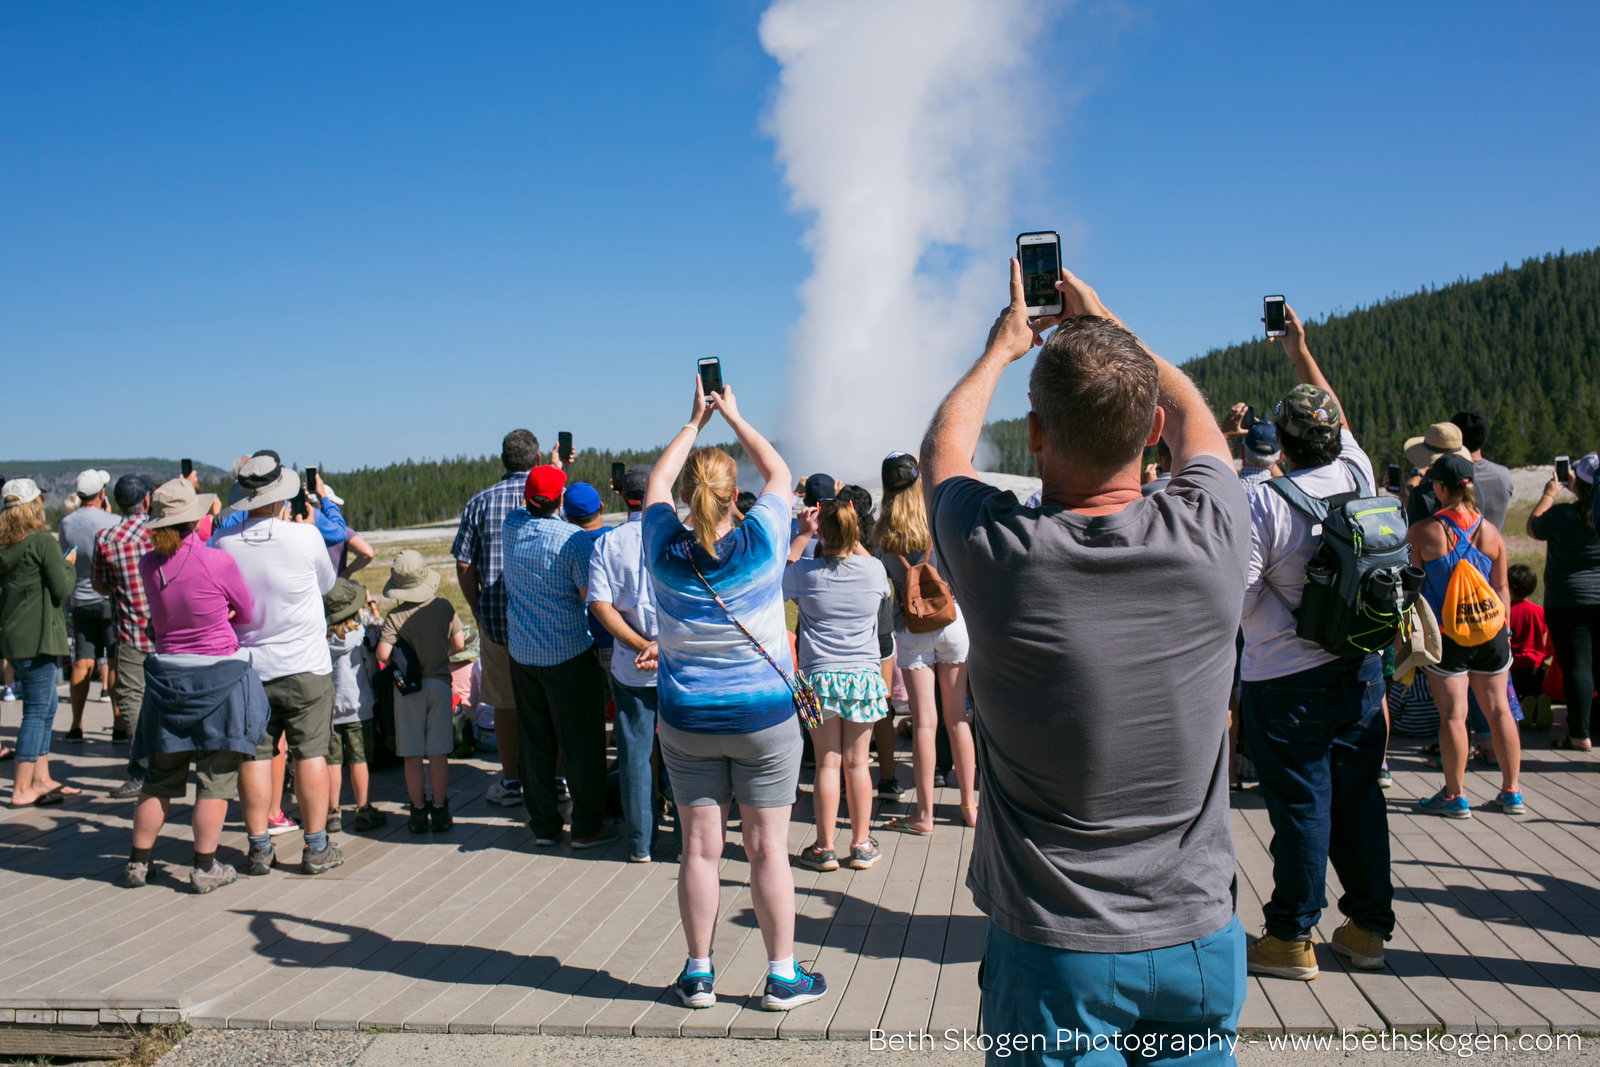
419 819
260 860
335 822
119 733
369 818
75 735
441 817
695 990
318 862
938 780
604 837
782 995
889 789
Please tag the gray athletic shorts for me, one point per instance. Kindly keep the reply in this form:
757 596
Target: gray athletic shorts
760 770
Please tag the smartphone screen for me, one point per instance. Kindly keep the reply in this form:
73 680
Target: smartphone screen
564 444
1394 476
1563 469
187 466
1272 309
618 473
311 477
1041 269
710 376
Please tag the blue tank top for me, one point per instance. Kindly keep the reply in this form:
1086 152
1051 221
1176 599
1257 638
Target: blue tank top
1437 571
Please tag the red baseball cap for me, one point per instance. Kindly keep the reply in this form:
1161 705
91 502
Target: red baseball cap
544 483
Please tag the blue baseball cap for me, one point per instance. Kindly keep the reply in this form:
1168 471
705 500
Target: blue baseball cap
581 501
1262 439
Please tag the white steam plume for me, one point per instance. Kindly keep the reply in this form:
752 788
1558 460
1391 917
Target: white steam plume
898 122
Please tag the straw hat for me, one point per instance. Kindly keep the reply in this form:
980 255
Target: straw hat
1441 438
175 503
410 579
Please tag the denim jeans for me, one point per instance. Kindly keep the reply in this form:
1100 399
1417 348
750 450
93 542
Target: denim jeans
636 735
36 678
1317 739
1058 1006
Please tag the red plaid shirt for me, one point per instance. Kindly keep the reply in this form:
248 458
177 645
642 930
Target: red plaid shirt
117 552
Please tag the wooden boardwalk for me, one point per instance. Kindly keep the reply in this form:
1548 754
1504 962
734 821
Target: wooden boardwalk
476 931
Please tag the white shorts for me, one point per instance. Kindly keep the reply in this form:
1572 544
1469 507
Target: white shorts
948 645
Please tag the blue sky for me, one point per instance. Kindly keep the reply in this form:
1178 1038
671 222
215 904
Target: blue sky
362 233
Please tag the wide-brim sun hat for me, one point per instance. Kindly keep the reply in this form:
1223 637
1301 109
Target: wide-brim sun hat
175 503
1442 438
344 601
411 580
20 491
264 480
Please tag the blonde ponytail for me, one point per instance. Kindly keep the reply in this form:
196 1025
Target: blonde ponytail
838 530
903 521
709 485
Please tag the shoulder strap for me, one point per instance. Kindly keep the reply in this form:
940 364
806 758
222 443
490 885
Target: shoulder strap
1312 507
735 620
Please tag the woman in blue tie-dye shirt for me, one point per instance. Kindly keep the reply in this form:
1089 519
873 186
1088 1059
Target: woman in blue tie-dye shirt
727 721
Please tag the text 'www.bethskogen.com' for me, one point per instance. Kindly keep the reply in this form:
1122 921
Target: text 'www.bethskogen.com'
1152 1045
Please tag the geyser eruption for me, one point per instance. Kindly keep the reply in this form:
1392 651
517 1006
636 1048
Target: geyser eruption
899 124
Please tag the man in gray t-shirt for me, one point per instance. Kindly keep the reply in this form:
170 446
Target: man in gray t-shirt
1490 479
1102 627
92 627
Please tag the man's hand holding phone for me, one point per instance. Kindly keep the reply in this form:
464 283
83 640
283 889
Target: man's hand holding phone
1233 425
1012 335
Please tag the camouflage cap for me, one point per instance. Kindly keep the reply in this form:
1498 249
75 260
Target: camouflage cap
1308 413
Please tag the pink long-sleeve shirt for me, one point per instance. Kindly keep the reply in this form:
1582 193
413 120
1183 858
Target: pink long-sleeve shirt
190 595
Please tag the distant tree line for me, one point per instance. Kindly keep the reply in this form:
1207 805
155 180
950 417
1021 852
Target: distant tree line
1521 346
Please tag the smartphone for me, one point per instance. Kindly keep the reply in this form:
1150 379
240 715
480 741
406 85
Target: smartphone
1039 255
564 446
300 505
311 478
186 466
710 376
618 473
1249 419
1272 311
1394 476
1563 469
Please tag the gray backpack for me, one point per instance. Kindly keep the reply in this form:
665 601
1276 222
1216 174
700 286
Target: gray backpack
1359 580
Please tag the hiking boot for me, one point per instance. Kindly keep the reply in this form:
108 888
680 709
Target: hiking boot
865 854
335 822
1455 807
604 837
420 819
1282 959
129 789
507 794
694 990
441 817
318 862
135 874
817 858
260 861
75 735
889 789
1510 802
1362 948
781 994
218 876
369 818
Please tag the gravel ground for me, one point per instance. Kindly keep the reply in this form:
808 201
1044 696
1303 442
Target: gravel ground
268 1048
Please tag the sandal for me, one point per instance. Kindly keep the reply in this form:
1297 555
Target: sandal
43 800
65 790
7 753
1430 750
1566 743
902 825
1484 757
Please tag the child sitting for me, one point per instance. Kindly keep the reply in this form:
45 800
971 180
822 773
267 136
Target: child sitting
351 738
425 630
1530 646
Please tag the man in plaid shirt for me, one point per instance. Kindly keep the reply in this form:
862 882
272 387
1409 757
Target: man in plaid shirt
117 551
480 570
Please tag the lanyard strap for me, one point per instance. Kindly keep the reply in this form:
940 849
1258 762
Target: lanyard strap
735 620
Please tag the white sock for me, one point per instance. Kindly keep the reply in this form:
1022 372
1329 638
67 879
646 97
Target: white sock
694 966
783 968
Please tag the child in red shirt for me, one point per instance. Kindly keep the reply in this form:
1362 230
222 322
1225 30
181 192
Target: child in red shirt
1530 646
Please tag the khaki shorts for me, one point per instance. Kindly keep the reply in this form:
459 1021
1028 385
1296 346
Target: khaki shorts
349 743
302 709
422 721
218 771
494 683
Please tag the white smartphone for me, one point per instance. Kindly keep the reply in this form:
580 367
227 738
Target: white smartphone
1272 311
1040 257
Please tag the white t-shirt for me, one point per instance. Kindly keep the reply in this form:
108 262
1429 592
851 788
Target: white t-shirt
285 566
1280 547
617 576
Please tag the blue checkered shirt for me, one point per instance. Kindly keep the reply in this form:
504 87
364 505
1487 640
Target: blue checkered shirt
478 543
547 568
1253 478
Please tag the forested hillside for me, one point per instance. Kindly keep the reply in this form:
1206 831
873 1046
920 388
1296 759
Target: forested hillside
1521 345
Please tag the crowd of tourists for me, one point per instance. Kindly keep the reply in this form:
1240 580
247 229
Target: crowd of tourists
235 644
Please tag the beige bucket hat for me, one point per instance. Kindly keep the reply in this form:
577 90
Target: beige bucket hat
1441 439
175 503
410 579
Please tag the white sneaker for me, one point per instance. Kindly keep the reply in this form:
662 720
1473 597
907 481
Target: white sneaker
501 793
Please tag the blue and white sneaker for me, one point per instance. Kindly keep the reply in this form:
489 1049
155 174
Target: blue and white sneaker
1450 808
1510 803
782 995
694 990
